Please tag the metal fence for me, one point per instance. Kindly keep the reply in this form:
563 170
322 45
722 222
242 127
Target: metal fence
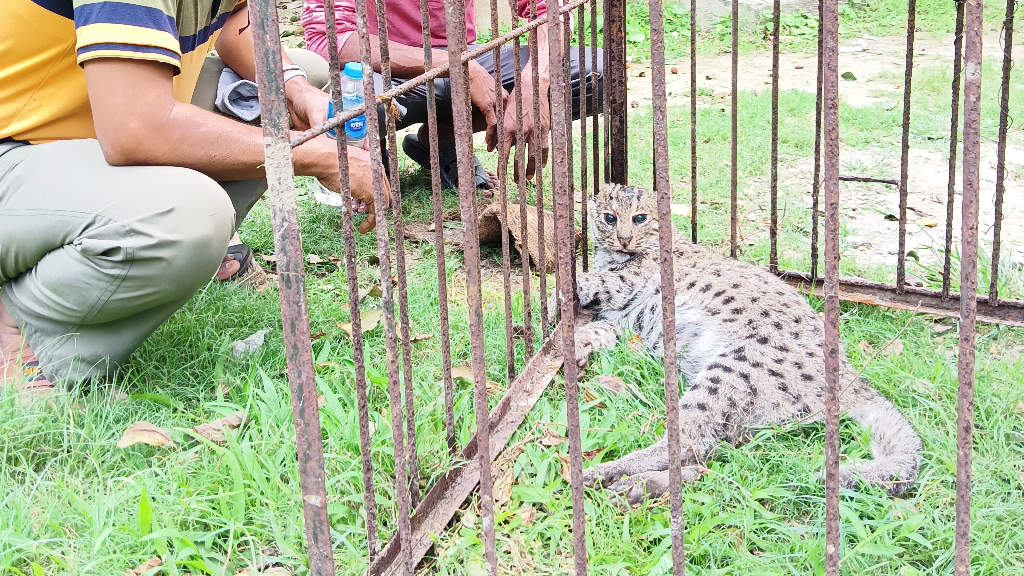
603 144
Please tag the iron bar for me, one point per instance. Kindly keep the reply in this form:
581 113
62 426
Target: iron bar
594 126
561 174
455 25
584 108
402 496
954 128
908 75
569 146
520 174
424 78
734 139
921 300
693 121
773 230
662 187
538 161
816 182
358 355
442 269
412 461
616 168
968 283
1004 112
831 349
291 275
510 350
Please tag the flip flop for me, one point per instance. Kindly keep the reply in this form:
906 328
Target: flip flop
447 157
249 272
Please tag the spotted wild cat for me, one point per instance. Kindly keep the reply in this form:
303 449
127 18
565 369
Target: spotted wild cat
749 345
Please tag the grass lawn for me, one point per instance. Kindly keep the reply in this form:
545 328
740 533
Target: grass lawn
71 502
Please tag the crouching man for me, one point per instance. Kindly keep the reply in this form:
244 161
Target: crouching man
120 188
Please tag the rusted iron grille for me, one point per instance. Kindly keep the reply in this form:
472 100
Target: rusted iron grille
417 515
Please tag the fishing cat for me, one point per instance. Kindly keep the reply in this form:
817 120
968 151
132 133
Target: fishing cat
749 345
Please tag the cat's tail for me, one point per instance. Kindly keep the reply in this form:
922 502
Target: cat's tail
894 443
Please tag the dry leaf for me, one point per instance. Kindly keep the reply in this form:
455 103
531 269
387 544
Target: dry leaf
145 566
368 321
314 259
462 372
565 471
1020 409
318 335
373 291
941 328
892 348
269 257
611 383
589 396
249 345
494 388
144 433
865 347
591 454
551 438
321 401
503 486
214 431
927 222
636 345
420 338
528 514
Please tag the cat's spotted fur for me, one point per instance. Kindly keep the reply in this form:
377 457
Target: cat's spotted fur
749 345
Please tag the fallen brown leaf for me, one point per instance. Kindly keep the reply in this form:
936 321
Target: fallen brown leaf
503 486
591 397
865 347
368 321
214 431
927 222
611 383
462 372
420 338
144 433
494 388
591 454
269 257
636 345
566 472
369 291
892 348
940 328
551 438
145 566
314 259
321 401
528 514
317 335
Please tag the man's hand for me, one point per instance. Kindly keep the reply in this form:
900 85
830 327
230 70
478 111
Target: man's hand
306 104
534 135
481 92
360 179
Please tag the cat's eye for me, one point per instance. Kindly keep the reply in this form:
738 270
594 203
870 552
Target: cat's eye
610 218
639 218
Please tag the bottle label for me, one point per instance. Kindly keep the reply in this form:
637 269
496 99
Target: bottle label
356 127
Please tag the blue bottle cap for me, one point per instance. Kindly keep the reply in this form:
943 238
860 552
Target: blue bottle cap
354 70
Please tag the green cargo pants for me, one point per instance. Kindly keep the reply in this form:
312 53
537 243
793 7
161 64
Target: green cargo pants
93 257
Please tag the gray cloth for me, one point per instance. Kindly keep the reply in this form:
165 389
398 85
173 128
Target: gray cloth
237 96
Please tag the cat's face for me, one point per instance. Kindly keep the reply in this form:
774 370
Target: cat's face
624 220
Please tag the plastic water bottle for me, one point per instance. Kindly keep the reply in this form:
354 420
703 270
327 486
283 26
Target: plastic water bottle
352 97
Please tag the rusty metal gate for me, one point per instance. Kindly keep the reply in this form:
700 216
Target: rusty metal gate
603 144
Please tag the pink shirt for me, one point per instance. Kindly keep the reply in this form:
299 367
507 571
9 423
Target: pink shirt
403 18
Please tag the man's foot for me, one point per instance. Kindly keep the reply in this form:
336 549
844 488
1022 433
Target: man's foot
239 266
18 363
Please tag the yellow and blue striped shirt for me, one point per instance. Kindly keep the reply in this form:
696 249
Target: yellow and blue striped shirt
43 44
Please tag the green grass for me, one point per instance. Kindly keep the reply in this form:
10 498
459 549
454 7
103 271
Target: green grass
71 502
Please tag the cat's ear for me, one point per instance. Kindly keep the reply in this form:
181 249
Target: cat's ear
607 190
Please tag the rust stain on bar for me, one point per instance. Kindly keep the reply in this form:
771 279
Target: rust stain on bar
816 182
593 106
773 230
734 138
954 128
662 187
693 121
461 115
616 167
584 107
358 355
830 185
291 273
908 75
1004 111
968 284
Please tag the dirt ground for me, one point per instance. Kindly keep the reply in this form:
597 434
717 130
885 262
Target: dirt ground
874 62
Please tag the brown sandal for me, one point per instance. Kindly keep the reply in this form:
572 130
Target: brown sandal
249 272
